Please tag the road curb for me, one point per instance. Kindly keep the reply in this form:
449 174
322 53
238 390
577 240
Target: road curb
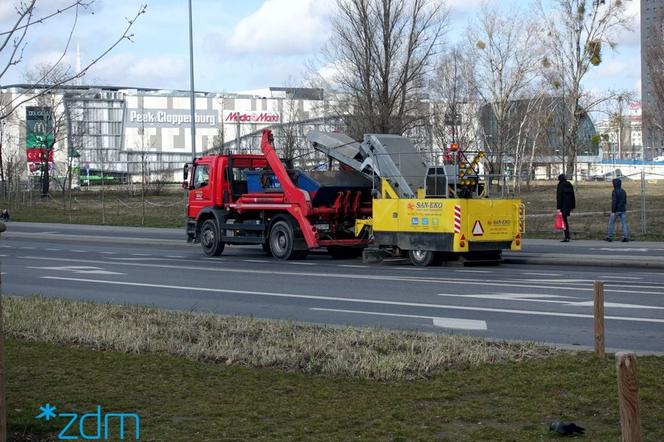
586 261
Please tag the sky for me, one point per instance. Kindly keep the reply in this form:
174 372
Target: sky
238 45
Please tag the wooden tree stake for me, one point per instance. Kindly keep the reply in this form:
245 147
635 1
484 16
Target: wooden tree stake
628 396
598 300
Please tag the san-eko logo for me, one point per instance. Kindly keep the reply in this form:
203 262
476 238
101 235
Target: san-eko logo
104 425
263 117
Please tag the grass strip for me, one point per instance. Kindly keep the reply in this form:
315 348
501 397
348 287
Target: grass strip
375 354
181 400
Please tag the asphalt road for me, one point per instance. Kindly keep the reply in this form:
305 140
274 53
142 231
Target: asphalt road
545 303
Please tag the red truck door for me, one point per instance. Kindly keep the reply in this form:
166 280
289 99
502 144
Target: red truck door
201 193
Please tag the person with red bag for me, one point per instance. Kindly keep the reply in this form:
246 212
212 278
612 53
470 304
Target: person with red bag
565 202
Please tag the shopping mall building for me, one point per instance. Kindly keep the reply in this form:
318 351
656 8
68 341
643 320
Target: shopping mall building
128 133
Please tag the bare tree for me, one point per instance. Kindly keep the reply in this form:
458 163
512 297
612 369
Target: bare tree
576 33
503 47
382 52
14 40
455 105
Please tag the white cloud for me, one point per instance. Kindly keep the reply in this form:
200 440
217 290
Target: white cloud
125 69
282 27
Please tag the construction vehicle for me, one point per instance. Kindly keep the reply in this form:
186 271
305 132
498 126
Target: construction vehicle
380 194
256 199
430 213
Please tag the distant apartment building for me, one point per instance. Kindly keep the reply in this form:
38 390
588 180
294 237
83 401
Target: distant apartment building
652 23
623 137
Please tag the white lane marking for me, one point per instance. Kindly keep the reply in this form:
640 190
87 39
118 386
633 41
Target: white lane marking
541 274
415 279
417 269
109 253
27 248
636 278
174 256
79 251
301 263
79 269
6 247
255 260
528 298
619 249
352 266
354 300
513 297
44 233
456 323
139 259
53 250
566 281
472 271
4 256
616 305
140 254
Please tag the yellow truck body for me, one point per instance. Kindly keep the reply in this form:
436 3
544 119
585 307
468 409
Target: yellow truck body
446 224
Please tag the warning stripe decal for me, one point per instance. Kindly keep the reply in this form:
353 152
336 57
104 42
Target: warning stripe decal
457 219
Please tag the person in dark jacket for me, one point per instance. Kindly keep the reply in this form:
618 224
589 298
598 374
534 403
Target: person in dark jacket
565 201
618 210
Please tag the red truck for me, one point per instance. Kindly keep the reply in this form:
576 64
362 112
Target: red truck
256 199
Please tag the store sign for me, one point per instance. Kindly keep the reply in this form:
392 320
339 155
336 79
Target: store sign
39 138
169 118
252 117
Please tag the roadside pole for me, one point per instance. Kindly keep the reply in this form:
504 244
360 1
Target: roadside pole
643 202
598 301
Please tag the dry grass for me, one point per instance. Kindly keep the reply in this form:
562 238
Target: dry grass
593 205
330 351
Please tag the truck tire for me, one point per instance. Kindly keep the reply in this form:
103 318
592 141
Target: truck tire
210 240
281 241
422 258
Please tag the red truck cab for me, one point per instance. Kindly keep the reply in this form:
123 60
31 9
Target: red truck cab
255 199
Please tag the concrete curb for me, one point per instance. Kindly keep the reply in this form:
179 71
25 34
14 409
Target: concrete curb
585 260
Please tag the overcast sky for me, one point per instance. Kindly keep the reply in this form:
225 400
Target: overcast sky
239 45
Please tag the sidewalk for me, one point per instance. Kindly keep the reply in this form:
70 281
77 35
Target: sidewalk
638 254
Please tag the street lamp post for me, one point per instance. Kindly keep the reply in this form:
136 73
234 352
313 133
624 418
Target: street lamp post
192 97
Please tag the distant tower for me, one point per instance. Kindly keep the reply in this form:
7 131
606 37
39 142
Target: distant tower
652 16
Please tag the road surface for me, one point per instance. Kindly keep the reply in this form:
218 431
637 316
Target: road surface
544 303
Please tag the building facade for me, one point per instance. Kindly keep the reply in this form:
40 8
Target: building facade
652 26
146 134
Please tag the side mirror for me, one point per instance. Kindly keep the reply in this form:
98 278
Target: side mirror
185 172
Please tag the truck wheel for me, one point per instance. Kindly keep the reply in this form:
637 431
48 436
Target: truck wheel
422 257
281 241
210 241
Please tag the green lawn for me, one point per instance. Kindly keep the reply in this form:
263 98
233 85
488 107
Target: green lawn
181 400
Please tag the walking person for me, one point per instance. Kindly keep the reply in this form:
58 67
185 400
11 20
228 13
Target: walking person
565 202
618 210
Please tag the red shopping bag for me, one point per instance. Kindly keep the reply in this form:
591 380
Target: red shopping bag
559 222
